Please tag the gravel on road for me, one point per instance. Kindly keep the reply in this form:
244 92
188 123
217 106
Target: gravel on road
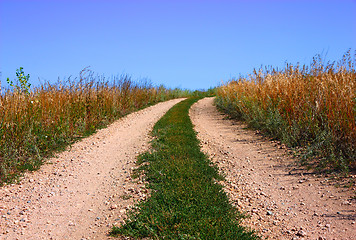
82 192
283 200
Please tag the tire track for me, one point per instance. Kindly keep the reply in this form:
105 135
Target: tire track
283 200
84 190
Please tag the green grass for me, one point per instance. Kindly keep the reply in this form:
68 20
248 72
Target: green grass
186 201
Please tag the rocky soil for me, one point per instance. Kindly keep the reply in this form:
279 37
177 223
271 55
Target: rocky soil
82 192
282 200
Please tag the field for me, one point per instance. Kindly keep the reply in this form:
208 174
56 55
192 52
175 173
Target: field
34 123
127 159
309 108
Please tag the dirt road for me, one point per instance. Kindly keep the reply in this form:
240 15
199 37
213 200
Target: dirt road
88 188
84 190
284 202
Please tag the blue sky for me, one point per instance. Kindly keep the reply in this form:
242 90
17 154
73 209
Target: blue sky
192 44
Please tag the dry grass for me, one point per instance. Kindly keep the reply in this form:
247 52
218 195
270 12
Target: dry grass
309 106
35 124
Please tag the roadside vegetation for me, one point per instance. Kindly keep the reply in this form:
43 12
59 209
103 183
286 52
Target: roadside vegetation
36 122
186 201
309 108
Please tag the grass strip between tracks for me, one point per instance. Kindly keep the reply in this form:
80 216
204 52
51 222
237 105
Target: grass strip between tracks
186 201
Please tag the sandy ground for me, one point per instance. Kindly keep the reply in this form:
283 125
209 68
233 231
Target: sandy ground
283 200
82 192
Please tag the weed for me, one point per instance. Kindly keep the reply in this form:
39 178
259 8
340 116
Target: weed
126 196
35 123
22 84
311 107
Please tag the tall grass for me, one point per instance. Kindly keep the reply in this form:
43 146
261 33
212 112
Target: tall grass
34 124
313 107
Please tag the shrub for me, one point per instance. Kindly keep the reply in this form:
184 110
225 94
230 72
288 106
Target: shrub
309 106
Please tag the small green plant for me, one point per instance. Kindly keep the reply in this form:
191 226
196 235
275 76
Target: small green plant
22 84
126 196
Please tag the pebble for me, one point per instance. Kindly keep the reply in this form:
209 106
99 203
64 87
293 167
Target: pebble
254 210
301 233
114 206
